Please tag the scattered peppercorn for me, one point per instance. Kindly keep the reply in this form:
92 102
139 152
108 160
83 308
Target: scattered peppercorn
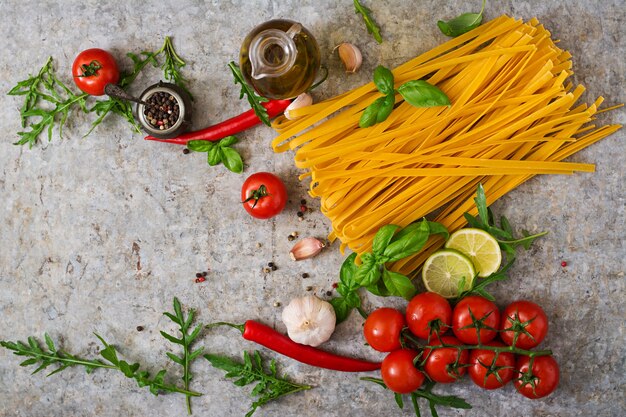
300 214
200 279
335 285
563 264
266 270
300 219
274 267
291 238
303 208
303 202
139 328
305 275
270 264
186 151
198 274
329 293
309 288
205 273
276 304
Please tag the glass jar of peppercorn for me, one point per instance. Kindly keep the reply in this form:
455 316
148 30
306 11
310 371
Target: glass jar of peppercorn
166 112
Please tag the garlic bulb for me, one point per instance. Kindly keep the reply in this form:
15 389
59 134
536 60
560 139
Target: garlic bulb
309 320
351 57
302 100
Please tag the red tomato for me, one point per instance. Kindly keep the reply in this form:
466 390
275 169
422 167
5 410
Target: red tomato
529 319
263 195
425 310
440 362
481 360
382 329
399 373
484 311
93 69
544 375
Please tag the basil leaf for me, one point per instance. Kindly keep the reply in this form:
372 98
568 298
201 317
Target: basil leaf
419 93
368 272
379 289
398 284
386 108
341 307
438 229
199 145
231 160
461 24
353 300
383 237
348 271
227 141
383 78
408 243
370 114
214 156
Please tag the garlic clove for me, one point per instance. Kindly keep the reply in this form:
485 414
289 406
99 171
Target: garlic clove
309 320
302 100
351 57
306 248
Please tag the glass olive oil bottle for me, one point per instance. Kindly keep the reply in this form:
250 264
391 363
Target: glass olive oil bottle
280 59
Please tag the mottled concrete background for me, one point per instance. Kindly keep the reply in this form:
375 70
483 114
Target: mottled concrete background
99 234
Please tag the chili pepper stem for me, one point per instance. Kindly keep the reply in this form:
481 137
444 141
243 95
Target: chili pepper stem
239 327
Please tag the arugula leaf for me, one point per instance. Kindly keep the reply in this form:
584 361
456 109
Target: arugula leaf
269 385
420 93
50 355
461 24
371 25
185 341
172 65
219 151
254 99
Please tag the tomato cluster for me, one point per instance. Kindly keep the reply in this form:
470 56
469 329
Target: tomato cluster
419 347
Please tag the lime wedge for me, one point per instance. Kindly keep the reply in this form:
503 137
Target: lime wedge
480 247
444 270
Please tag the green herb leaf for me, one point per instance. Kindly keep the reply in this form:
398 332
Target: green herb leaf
461 24
342 308
231 159
407 242
371 25
383 79
254 99
383 237
228 141
214 156
385 108
398 284
379 289
370 114
420 93
172 65
399 401
368 272
269 385
200 145
186 340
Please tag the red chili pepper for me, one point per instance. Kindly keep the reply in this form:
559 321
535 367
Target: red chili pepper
228 127
271 339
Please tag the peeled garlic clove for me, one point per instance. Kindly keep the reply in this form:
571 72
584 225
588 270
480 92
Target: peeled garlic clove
309 320
302 100
351 57
306 248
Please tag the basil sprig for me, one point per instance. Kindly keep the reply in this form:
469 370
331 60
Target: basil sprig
461 24
389 245
418 93
220 151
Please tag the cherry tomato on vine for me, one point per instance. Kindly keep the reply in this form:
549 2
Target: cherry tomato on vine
93 69
483 370
485 316
528 320
444 364
382 329
428 310
263 195
542 379
399 373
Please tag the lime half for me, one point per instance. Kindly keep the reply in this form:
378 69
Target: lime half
444 270
480 247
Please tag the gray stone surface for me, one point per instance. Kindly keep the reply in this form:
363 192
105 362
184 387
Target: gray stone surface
99 234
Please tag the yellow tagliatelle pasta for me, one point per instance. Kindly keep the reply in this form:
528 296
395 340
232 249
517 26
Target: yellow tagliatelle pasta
513 115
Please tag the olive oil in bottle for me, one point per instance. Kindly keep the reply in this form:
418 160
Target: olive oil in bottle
280 59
